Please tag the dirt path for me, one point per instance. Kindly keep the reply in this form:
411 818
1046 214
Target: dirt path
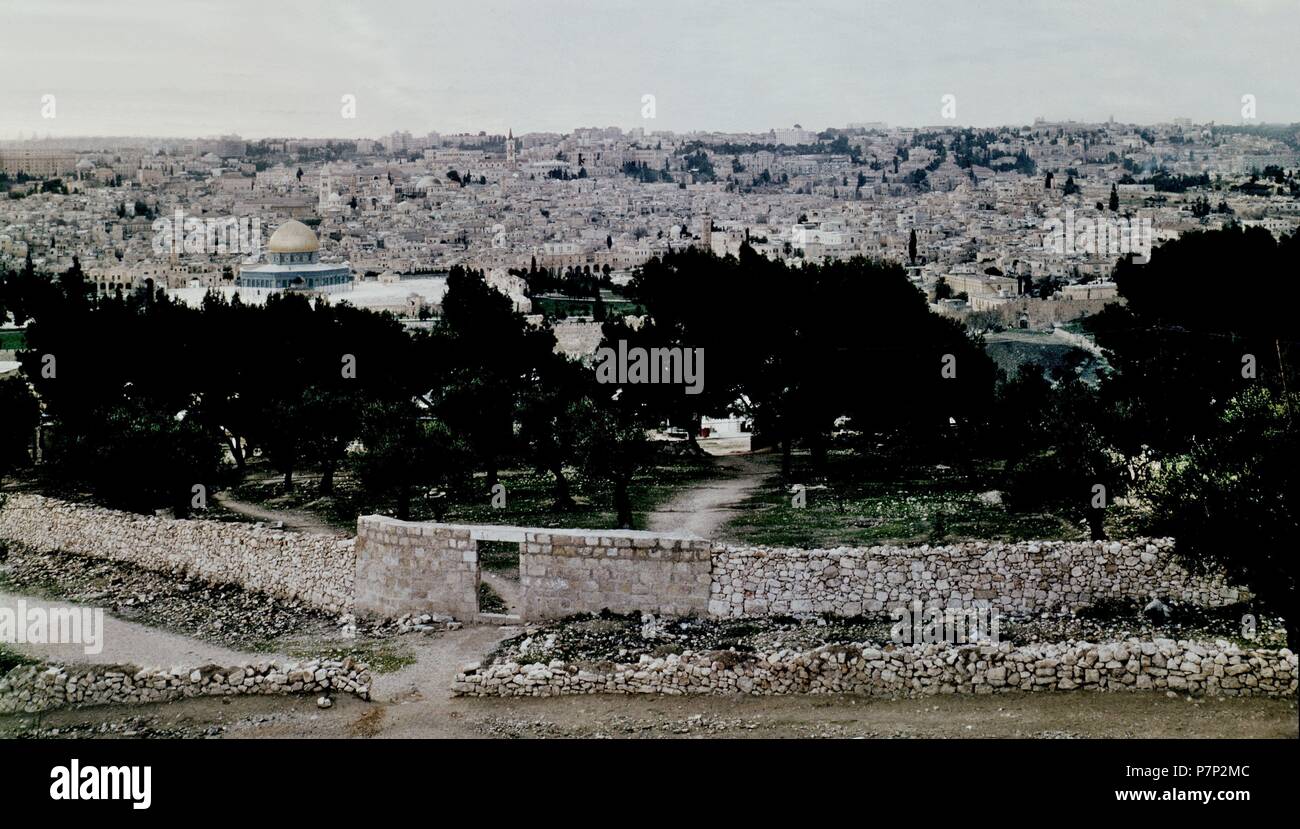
505 587
417 699
293 520
703 509
130 643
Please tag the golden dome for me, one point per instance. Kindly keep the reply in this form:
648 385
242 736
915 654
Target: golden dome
293 237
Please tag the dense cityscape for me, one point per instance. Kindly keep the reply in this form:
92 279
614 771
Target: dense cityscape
970 207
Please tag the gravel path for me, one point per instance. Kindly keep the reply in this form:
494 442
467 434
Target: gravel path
130 643
703 509
294 520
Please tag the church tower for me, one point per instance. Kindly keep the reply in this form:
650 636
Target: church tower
510 148
324 187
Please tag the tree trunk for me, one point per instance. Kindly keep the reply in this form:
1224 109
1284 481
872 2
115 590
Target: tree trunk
404 503
623 504
1096 525
692 428
563 500
785 457
327 477
237 452
817 446
693 442
288 479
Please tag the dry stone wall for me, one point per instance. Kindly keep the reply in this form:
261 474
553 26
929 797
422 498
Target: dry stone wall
1011 577
317 570
34 688
1184 667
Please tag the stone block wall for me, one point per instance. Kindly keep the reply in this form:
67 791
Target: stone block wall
412 567
571 571
1011 577
314 569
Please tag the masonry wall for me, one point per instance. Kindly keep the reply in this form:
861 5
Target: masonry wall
396 567
564 572
1012 577
317 570
410 567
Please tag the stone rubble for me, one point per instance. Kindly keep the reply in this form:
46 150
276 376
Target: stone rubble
406 623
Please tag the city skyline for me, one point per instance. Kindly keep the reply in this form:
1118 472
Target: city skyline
880 127
283 70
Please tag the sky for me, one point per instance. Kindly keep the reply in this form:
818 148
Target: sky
281 67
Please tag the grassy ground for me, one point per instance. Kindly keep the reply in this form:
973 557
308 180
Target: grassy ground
499 557
852 506
489 601
529 497
12 340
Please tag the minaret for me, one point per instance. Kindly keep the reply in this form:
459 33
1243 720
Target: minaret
510 148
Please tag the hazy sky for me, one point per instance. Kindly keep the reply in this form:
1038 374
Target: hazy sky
281 67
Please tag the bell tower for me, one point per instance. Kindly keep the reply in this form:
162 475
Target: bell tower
324 187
